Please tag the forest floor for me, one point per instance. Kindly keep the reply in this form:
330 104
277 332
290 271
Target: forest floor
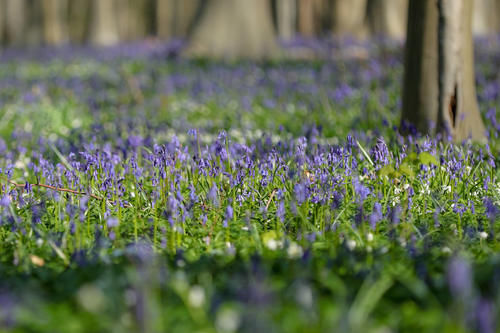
141 192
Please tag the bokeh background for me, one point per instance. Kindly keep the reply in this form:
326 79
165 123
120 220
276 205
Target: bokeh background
31 23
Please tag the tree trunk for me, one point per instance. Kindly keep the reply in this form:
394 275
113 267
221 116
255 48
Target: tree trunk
165 10
439 91
287 18
486 17
175 17
55 13
234 29
15 21
388 18
307 19
132 21
349 18
104 26
79 20
2 21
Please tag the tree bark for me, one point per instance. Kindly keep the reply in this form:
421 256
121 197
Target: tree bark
55 13
104 26
165 10
15 21
307 19
79 12
175 17
486 17
439 92
388 18
234 29
287 18
131 19
349 18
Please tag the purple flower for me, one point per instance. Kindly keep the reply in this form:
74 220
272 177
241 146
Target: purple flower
301 193
362 191
459 275
112 222
213 196
485 316
376 215
280 212
5 201
380 153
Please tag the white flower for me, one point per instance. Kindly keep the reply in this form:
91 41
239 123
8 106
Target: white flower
447 188
369 237
351 244
294 251
483 235
272 244
446 250
196 296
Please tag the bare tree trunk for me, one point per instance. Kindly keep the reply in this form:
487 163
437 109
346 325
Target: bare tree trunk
104 26
234 28
307 26
349 18
2 21
388 17
15 21
79 12
165 10
175 17
132 21
55 13
439 91
287 18
486 17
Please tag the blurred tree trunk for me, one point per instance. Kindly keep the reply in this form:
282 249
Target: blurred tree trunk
439 91
132 20
15 21
165 18
175 17
104 25
55 14
307 19
234 28
33 30
287 18
2 21
486 17
349 18
79 20
388 17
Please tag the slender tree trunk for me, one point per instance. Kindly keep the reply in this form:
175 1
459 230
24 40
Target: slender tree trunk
234 29
439 91
2 21
104 26
486 17
388 17
15 21
349 18
165 11
79 13
55 13
132 20
287 18
307 25
175 17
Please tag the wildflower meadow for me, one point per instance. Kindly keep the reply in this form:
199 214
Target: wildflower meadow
145 192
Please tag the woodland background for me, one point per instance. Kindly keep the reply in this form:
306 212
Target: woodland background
33 23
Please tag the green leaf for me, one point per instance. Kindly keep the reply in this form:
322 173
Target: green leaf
426 158
406 170
387 170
